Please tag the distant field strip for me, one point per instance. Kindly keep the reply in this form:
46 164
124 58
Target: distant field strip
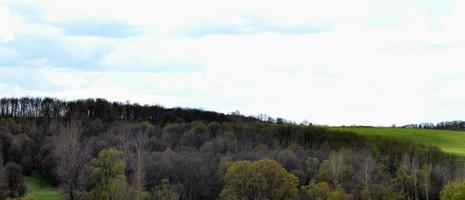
448 141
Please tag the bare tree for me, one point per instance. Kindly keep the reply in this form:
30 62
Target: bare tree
140 142
426 170
3 186
442 173
368 168
337 163
71 156
124 131
133 145
14 180
414 169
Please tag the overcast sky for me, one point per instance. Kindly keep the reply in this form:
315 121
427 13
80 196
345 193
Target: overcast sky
370 62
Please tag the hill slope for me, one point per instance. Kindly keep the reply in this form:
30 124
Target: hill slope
448 141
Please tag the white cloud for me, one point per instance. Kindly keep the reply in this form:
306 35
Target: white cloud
349 62
6 32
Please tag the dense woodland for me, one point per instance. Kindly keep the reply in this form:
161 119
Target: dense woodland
95 149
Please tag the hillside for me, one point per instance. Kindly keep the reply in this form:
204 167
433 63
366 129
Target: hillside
151 151
448 141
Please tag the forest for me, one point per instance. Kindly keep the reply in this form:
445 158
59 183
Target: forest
96 149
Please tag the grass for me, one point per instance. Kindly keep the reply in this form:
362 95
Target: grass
448 141
38 189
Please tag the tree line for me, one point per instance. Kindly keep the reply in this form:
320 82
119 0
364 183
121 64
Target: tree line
206 155
457 125
47 109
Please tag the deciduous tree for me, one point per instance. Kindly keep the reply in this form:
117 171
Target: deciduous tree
425 173
453 191
336 160
263 179
107 173
71 157
164 191
14 179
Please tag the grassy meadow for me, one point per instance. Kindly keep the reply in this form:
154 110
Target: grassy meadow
448 141
38 189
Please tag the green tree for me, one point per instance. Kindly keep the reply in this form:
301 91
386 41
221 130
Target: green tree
365 194
317 191
339 194
403 180
453 191
107 174
196 136
263 179
324 171
311 167
323 191
164 191
384 191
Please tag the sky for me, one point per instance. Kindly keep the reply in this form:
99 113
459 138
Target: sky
333 62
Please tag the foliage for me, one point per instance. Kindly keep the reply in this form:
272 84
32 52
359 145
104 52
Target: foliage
322 191
164 191
453 191
107 173
263 179
195 149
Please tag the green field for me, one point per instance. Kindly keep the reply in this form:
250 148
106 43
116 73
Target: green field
38 189
448 141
